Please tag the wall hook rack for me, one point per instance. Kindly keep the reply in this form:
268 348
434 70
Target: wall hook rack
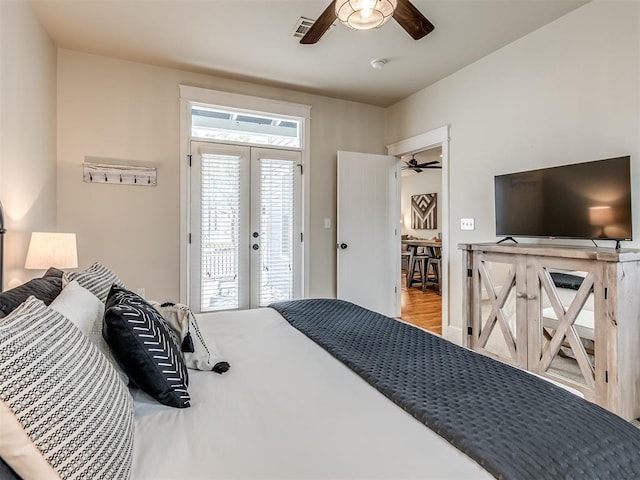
119 174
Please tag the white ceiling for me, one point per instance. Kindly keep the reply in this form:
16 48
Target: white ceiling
252 40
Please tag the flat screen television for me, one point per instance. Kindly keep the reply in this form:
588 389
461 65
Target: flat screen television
590 200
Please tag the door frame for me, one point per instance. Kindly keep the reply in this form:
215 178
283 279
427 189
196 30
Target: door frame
189 95
438 137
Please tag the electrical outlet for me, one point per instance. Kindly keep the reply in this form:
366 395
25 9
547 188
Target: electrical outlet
467 224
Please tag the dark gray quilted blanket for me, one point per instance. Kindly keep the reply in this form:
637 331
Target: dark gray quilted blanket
515 425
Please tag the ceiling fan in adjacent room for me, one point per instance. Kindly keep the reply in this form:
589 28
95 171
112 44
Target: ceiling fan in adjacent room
413 164
368 14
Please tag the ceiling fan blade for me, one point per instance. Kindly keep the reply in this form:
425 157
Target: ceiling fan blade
427 164
410 18
321 25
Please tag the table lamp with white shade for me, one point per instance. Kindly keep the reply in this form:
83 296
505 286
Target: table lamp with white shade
49 249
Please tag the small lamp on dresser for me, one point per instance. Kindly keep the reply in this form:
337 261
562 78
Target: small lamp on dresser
49 249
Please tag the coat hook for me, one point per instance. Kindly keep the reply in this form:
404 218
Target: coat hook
119 174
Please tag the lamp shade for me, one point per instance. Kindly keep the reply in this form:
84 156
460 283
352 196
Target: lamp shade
365 14
48 249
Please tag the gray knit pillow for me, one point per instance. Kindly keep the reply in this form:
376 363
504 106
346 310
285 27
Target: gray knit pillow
63 409
98 279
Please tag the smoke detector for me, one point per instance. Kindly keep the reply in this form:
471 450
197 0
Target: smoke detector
379 63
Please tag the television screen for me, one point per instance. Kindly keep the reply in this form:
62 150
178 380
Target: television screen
589 200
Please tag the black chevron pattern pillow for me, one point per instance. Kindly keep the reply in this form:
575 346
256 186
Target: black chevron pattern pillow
146 347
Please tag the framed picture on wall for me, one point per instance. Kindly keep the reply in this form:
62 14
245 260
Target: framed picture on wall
423 211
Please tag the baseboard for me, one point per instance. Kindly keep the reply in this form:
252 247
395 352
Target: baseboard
454 334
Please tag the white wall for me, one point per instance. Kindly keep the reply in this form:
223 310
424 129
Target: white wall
566 93
129 111
428 181
27 134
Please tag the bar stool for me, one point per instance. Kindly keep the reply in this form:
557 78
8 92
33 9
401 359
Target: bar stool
419 259
405 258
433 266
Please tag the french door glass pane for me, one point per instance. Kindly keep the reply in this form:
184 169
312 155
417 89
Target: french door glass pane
220 232
276 230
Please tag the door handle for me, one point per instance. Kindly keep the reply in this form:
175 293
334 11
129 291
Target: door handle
343 246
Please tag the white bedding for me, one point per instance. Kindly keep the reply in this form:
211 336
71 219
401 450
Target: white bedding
286 409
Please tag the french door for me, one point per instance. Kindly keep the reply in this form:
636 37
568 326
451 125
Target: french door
245 226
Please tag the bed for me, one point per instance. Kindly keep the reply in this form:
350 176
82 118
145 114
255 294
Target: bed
324 389
286 409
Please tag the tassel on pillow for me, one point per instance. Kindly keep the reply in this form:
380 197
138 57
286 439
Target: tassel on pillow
221 367
187 344
187 341
197 354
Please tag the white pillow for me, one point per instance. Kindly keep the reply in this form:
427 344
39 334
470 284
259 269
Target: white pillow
86 312
64 413
197 355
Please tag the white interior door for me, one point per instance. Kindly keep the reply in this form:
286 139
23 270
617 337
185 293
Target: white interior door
368 240
245 246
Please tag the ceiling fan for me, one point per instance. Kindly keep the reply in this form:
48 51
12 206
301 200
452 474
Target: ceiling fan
413 164
367 14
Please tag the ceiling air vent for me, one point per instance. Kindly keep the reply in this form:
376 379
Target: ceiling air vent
302 27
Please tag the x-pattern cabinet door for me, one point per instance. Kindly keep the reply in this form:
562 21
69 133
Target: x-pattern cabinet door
499 319
564 342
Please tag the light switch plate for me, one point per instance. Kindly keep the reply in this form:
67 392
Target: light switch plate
467 224
327 223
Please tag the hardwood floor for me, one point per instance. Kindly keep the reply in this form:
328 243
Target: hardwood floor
423 309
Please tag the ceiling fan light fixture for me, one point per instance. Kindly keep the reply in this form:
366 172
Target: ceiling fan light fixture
365 14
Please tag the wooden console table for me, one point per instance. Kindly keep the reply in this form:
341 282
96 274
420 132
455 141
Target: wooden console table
586 337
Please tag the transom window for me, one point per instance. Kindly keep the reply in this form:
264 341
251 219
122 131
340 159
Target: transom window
227 125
